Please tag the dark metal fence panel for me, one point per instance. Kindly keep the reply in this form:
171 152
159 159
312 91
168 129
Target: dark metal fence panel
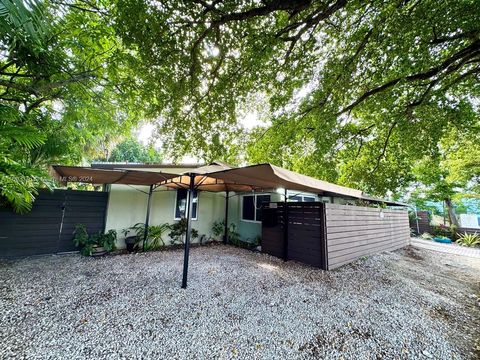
462 230
423 220
353 232
82 207
48 228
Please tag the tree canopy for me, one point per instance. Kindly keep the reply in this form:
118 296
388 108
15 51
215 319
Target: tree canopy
355 92
131 150
62 92
358 91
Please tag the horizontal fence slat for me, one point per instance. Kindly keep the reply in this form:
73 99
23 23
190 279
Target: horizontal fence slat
360 246
349 239
347 234
380 222
359 242
333 262
386 227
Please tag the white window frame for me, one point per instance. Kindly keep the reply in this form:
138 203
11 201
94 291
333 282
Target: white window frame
255 203
175 205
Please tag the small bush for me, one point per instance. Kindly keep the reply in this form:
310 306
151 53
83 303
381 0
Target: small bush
178 230
426 236
154 239
87 242
443 230
469 240
218 230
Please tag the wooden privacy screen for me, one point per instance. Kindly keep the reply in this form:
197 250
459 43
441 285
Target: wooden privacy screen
353 232
301 238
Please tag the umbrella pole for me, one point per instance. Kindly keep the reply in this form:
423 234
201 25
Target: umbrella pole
225 237
189 230
285 227
147 217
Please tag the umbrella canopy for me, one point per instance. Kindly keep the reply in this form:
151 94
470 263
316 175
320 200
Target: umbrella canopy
204 182
267 177
104 176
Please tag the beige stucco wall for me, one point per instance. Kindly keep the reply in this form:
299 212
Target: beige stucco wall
128 206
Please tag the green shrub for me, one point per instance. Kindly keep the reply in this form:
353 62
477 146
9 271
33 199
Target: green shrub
218 230
179 230
87 242
468 239
443 230
426 236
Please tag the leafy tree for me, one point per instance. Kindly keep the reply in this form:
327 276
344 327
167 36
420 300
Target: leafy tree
62 92
434 184
130 150
359 91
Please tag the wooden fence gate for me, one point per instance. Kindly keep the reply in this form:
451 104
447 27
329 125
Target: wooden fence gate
48 228
301 237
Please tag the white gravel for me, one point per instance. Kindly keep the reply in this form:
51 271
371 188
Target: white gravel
408 304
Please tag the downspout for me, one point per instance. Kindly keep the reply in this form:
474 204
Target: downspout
189 230
285 227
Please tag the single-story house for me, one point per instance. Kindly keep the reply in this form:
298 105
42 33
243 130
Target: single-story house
127 204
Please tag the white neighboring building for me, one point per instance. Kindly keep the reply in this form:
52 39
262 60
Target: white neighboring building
469 221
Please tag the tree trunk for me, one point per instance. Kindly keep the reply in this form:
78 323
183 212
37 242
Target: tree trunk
451 212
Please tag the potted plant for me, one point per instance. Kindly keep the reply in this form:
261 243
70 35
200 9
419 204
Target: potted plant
96 244
130 241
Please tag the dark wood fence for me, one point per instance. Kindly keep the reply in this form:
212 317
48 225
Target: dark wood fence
301 238
462 230
423 219
354 231
48 228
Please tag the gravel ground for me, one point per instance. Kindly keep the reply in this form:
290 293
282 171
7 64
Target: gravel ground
408 304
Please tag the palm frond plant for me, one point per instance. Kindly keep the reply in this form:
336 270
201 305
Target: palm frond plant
469 240
19 179
154 238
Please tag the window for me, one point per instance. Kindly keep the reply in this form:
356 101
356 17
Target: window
181 204
252 207
301 198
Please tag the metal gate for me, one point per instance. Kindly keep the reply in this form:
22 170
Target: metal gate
301 237
48 228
